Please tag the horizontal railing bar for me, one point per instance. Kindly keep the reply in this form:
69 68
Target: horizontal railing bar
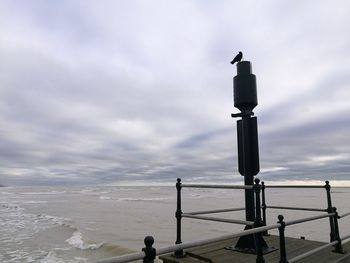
224 220
306 219
218 186
215 211
344 215
188 245
166 250
311 252
296 208
294 186
344 238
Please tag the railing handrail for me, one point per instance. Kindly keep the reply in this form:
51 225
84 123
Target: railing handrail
217 186
317 249
216 219
215 239
307 219
311 252
344 215
296 208
162 251
215 211
294 186
345 237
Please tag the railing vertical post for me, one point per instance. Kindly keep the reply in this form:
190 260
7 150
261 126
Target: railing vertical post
283 254
258 223
338 246
330 210
263 206
150 252
178 215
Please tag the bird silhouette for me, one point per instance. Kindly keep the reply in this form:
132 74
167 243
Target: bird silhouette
237 58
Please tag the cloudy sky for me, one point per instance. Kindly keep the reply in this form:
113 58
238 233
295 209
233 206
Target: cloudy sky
113 92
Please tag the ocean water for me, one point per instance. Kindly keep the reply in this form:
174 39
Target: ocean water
84 224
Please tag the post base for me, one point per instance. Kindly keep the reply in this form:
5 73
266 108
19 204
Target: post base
339 251
179 255
248 244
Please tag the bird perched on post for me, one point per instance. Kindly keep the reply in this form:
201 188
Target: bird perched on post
237 58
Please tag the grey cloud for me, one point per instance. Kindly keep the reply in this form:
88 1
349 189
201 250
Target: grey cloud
119 92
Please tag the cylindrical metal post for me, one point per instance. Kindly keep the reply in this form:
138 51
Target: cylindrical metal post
338 246
283 253
330 210
178 215
258 236
263 207
150 252
257 190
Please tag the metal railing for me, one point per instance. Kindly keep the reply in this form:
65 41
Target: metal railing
187 245
179 214
215 186
329 208
149 253
280 225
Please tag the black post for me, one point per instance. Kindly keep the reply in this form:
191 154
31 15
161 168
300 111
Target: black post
245 99
330 210
258 236
178 215
338 246
257 190
149 250
263 206
283 254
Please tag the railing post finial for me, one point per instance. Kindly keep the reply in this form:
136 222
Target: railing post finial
149 250
256 180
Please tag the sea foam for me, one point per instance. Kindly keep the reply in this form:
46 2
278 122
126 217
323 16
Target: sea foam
77 241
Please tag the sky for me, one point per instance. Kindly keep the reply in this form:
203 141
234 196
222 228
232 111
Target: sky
128 92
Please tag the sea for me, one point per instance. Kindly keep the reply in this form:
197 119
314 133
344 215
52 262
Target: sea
86 224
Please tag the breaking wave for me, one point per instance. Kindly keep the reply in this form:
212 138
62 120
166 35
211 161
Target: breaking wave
77 241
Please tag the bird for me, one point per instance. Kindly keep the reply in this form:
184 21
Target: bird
237 58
